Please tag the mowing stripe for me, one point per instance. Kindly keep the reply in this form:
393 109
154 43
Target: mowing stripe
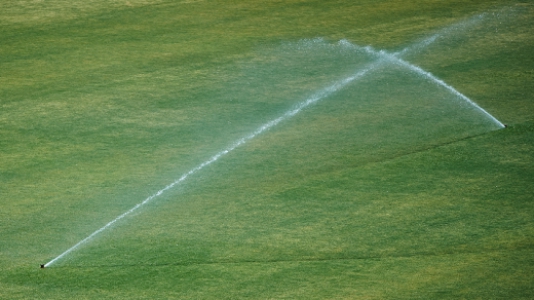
321 94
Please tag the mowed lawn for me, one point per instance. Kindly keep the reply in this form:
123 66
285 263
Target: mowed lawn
387 187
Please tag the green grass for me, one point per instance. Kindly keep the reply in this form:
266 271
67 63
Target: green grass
389 188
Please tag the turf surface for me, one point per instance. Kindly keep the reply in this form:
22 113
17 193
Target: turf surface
390 187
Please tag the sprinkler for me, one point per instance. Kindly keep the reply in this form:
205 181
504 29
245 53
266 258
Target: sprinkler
42 266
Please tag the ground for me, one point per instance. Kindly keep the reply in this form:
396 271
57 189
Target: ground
384 186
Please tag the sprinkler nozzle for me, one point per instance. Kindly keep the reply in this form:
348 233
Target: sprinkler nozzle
42 266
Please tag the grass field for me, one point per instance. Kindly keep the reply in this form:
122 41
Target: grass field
388 186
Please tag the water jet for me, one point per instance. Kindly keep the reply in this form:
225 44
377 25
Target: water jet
381 58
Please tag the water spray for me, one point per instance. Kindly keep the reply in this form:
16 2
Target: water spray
381 58
314 98
452 29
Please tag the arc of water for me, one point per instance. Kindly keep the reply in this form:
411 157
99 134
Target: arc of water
440 82
394 58
323 93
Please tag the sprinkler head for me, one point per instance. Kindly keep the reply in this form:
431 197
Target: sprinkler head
42 266
505 125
